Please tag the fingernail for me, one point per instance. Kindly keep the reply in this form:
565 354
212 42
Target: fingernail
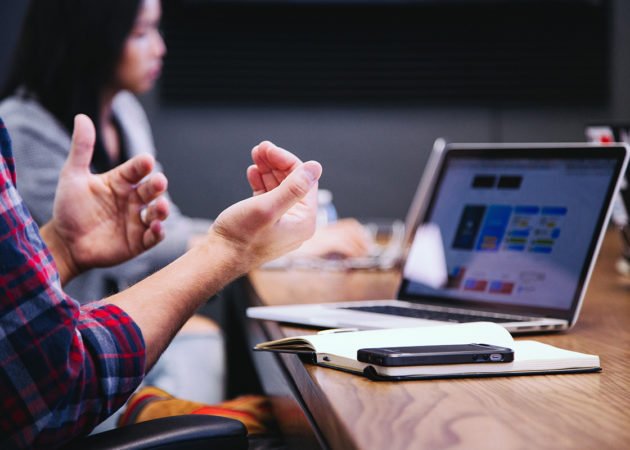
313 170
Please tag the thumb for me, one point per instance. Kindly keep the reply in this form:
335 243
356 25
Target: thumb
294 188
83 139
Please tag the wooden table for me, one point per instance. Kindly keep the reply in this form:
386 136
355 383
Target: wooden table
324 408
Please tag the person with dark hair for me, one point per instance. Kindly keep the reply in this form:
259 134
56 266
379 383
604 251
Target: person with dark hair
65 367
87 56
92 56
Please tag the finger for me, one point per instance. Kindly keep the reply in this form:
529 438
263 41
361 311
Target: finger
153 235
274 163
265 172
268 174
342 238
83 139
152 188
258 159
134 170
358 233
359 243
277 158
358 247
143 217
255 180
271 181
343 250
294 188
347 247
157 210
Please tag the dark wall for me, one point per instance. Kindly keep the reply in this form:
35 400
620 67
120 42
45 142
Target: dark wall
475 52
373 155
11 13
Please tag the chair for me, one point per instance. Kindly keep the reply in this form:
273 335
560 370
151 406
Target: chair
187 432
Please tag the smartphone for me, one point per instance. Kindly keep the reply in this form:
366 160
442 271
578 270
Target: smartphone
435 354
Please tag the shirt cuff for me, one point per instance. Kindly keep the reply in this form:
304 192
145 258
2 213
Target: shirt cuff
117 348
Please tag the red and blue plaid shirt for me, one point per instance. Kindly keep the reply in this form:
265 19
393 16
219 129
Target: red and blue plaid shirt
63 368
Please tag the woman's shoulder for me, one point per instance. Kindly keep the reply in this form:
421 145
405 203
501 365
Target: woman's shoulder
128 108
24 115
134 123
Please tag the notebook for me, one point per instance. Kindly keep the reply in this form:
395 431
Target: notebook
339 351
504 233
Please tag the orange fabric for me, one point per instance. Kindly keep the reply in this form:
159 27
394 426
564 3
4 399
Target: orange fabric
148 403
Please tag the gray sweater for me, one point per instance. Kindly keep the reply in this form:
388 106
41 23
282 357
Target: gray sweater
41 145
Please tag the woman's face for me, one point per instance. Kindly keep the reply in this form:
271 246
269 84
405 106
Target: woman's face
144 49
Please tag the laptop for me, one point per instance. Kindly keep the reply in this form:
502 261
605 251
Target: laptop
605 134
390 239
504 233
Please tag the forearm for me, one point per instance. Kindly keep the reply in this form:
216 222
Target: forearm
161 303
179 232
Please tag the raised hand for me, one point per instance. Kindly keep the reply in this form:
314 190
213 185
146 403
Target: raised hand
271 166
102 220
276 220
280 216
346 237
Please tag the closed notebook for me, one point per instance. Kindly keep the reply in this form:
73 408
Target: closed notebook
338 350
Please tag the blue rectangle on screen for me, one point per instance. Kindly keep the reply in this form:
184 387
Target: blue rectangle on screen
531 210
494 226
555 211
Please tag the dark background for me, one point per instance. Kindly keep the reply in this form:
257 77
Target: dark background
366 86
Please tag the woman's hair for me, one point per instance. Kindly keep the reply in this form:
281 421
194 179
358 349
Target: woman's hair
68 53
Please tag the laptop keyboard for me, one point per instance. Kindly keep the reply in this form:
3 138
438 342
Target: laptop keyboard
426 314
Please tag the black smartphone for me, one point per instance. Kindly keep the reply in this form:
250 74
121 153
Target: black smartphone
435 354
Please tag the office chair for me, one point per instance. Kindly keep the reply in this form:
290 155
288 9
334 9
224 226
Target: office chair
187 432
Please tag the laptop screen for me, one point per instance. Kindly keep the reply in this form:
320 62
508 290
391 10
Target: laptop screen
512 229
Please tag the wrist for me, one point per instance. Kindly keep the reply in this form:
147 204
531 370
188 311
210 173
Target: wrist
66 266
233 257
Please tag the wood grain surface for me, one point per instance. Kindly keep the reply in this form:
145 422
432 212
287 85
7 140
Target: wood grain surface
590 411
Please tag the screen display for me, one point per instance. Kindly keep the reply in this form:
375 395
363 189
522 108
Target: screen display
514 231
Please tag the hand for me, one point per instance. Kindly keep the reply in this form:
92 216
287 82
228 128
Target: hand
346 238
97 218
280 216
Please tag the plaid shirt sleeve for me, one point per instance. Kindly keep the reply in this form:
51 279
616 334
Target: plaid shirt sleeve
63 368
